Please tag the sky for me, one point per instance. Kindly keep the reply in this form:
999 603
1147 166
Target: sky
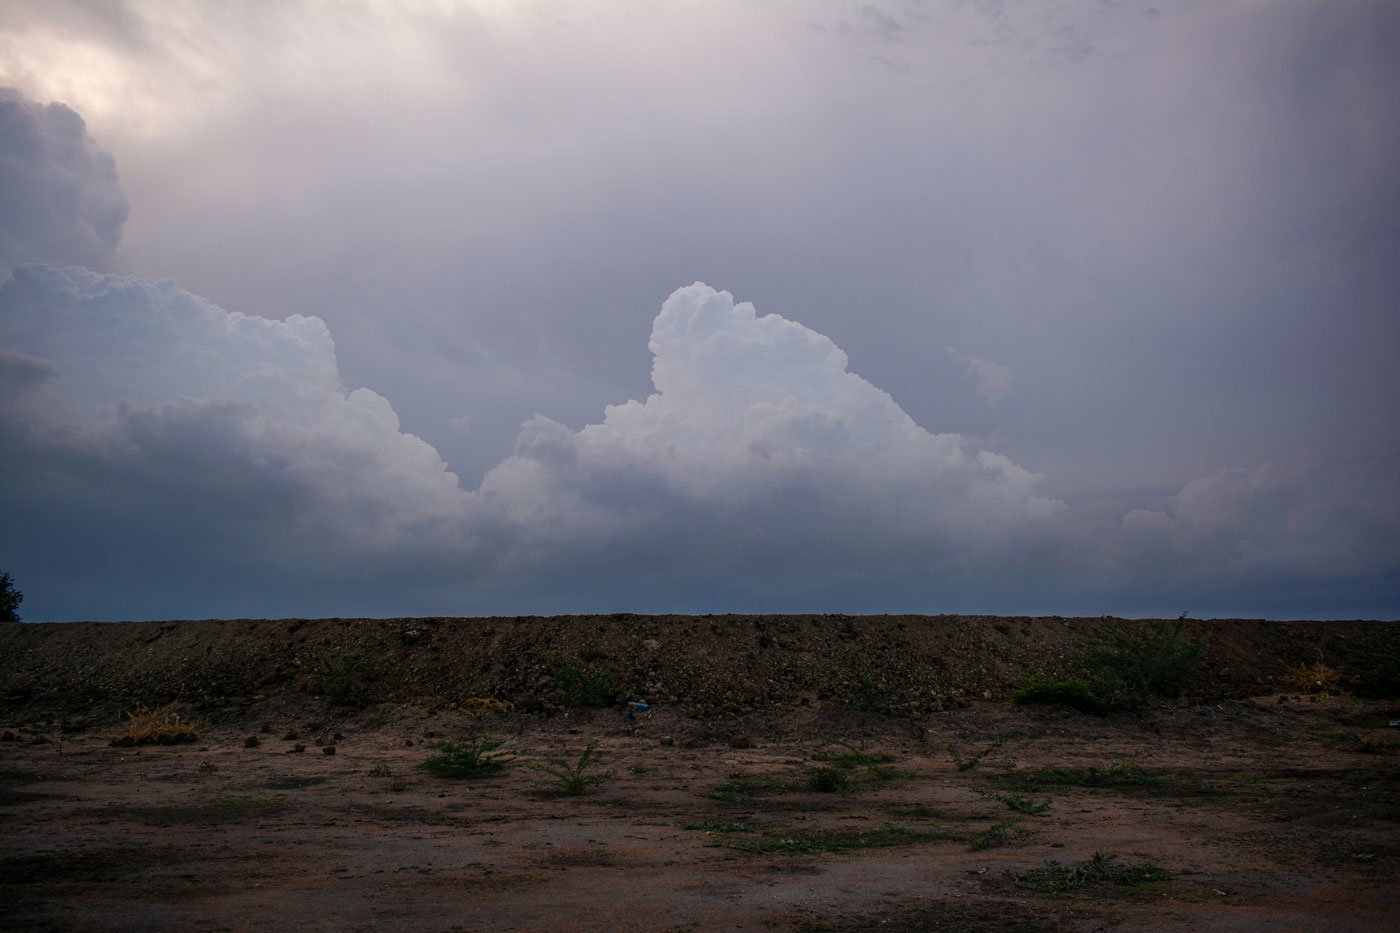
399 308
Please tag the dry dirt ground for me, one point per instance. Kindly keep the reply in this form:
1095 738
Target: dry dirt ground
1273 813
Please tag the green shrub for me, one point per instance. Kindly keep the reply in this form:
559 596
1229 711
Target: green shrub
575 779
1072 691
845 755
1033 781
1367 745
870 697
816 842
1379 680
341 681
1153 661
579 687
1057 878
831 781
996 834
467 759
741 789
1024 804
10 598
967 764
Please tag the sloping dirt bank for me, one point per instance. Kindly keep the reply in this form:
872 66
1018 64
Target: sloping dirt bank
703 665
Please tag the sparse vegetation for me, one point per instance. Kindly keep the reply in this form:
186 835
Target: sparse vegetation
467 759
1073 692
1378 680
741 789
831 781
816 842
720 827
996 834
1101 870
1152 661
850 768
967 764
1032 781
1367 745
580 687
577 778
1024 804
156 726
341 680
846 755
869 697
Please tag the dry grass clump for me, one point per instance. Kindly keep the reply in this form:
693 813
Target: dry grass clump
482 707
160 725
1318 679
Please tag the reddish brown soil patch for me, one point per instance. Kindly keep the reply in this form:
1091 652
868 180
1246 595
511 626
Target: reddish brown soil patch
1260 815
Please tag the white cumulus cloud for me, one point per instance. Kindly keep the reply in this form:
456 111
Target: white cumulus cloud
760 455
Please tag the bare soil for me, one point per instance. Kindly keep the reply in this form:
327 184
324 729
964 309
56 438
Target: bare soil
1233 808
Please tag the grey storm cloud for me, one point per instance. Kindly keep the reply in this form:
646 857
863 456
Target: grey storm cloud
149 388
143 420
759 460
1307 519
60 199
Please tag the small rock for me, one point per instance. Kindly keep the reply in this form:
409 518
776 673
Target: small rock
290 737
338 737
266 727
328 750
9 737
667 740
295 749
251 742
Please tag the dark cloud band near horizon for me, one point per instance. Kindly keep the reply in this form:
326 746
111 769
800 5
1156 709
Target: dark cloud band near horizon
152 435
1028 323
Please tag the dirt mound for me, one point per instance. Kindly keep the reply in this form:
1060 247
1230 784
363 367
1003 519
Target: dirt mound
723 665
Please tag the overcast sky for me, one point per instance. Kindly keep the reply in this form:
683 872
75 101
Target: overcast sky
400 308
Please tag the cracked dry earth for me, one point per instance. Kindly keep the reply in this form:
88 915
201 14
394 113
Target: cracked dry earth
1273 814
